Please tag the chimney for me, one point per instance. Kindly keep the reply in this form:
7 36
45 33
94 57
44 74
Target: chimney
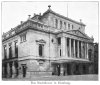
34 14
21 22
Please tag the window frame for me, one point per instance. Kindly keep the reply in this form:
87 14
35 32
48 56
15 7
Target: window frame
5 51
23 37
60 24
41 52
68 26
56 23
10 50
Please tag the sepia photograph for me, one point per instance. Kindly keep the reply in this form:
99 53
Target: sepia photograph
50 41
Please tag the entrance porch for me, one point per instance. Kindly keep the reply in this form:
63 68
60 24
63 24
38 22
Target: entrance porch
72 68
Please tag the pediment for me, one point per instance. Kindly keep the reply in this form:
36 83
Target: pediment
78 33
41 41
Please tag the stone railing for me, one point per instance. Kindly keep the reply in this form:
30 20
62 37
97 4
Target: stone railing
32 24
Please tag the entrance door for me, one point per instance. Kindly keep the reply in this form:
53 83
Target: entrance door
68 69
24 70
58 70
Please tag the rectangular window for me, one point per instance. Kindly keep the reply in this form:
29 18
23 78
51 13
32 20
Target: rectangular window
60 24
10 50
5 52
60 52
16 48
23 37
59 41
40 50
56 23
68 26
72 26
80 49
65 25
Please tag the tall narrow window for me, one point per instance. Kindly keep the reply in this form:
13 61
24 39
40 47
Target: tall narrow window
16 49
40 50
10 50
65 25
60 24
72 26
24 37
68 26
60 52
80 49
5 52
59 41
56 23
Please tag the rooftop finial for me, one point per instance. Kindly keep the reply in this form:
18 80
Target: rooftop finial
49 6
29 16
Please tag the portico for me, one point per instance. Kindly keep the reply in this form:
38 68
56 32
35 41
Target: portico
74 56
72 67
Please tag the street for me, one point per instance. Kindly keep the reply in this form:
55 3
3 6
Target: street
60 78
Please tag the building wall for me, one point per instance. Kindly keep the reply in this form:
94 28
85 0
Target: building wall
50 19
32 36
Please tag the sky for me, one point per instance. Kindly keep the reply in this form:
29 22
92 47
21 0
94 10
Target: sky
14 12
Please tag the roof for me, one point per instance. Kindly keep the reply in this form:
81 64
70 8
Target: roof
78 33
50 11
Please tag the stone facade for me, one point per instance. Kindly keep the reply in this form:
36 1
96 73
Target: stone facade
48 44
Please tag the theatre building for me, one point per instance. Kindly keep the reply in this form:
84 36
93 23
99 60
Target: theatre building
47 44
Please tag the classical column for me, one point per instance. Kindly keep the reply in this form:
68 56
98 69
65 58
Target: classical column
65 69
63 46
7 52
13 70
80 69
8 70
77 48
72 68
74 47
3 70
13 49
66 49
70 46
61 69
81 49
87 51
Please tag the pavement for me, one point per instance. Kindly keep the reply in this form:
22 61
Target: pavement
56 78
